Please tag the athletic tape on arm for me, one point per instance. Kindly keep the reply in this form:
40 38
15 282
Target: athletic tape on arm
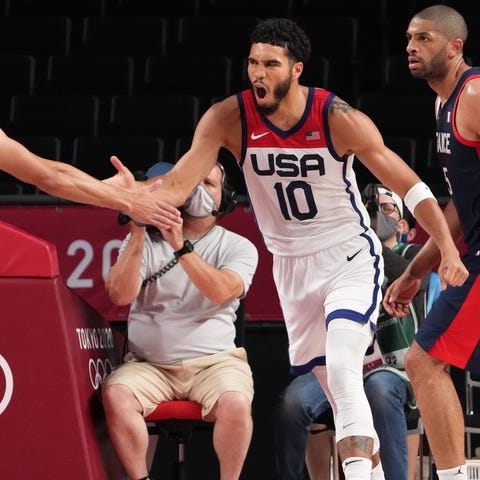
420 191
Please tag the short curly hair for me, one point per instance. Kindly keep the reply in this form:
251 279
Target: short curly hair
282 32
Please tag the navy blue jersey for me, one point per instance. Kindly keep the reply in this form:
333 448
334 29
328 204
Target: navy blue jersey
460 161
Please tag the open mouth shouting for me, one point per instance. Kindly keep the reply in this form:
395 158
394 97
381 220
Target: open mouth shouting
260 91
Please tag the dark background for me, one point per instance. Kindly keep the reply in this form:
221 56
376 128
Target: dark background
83 79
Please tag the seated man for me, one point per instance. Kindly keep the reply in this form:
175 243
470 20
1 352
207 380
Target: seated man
184 286
387 388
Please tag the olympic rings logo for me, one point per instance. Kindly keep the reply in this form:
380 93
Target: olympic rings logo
99 371
7 372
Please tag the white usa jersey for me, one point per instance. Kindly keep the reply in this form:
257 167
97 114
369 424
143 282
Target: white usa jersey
304 196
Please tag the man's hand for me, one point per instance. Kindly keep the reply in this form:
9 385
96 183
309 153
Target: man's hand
174 235
145 206
400 294
451 270
123 178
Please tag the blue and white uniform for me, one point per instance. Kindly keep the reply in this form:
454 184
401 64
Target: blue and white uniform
327 260
451 331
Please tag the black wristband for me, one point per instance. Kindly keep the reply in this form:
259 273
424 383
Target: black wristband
187 248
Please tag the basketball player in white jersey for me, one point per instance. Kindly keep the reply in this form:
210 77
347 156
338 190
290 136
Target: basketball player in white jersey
296 146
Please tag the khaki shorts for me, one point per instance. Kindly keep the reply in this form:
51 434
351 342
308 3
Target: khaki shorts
201 379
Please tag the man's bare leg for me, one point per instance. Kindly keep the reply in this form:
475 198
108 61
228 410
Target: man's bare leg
127 429
232 432
440 407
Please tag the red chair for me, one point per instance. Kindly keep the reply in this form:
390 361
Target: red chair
176 420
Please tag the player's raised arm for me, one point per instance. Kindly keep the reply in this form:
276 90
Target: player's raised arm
217 127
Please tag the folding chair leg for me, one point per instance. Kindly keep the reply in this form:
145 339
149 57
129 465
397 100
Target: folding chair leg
179 467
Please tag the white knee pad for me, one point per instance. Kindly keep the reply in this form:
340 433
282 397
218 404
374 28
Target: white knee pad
347 342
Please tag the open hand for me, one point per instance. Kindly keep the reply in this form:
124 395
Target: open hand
146 204
400 294
148 208
123 178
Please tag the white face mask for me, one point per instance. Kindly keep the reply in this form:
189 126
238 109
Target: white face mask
200 204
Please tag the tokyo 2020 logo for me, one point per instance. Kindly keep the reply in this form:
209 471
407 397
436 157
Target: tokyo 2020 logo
99 371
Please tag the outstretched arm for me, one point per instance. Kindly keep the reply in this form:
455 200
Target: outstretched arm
354 133
66 181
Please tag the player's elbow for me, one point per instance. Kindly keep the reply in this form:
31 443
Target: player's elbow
224 295
119 299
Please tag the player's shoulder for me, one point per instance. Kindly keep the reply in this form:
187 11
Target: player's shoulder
348 123
225 110
226 104
340 110
472 88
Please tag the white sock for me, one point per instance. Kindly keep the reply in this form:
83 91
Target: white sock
456 473
357 468
377 472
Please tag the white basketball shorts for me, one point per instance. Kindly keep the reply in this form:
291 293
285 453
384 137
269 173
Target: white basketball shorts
343 281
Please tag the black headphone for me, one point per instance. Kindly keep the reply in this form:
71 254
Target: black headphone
370 198
229 196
